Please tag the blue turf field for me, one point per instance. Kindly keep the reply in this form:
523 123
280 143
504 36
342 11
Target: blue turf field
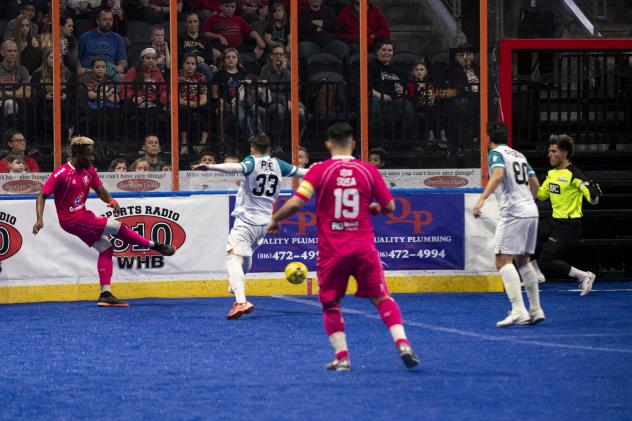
180 359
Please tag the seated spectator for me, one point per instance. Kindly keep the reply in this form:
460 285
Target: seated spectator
389 106
27 9
303 157
208 157
231 31
278 30
377 158
15 161
118 165
42 82
253 10
225 85
377 27
13 77
151 152
45 29
141 165
119 24
68 44
143 84
83 8
165 167
193 98
17 144
254 97
203 8
101 89
158 43
319 31
102 42
29 51
13 8
278 76
192 42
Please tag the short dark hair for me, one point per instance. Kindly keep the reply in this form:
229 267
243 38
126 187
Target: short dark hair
498 133
564 142
260 143
13 155
379 152
208 152
228 1
96 60
340 134
102 11
9 133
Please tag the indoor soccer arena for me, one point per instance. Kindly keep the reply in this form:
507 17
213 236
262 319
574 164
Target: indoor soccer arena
413 209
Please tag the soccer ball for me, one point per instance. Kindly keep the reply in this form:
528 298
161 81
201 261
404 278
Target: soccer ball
296 272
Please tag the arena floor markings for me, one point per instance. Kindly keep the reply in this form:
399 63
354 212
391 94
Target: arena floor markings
180 359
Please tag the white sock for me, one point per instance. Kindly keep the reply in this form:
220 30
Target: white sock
105 288
511 280
530 279
536 267
397 332
236 277
576 273
339 341
247 264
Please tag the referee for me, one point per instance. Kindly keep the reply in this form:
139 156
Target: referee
566 187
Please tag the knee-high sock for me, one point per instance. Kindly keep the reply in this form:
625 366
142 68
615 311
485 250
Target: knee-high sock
530 279
511 280
236 276
335 328
392 318
247 264
104 266
128 235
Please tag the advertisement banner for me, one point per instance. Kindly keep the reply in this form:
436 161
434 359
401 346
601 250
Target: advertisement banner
426 232
450 178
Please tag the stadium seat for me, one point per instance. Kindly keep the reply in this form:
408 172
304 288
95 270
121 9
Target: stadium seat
251 65
323 62
403 62
138 31
133 52
353 74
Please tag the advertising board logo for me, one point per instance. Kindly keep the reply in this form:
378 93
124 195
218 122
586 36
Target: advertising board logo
446 181
22 186
138 185
404 214
10 237
157 224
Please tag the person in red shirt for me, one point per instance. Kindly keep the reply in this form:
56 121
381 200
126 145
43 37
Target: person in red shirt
144 84
345 189
377 26
17 143
70 185
231 31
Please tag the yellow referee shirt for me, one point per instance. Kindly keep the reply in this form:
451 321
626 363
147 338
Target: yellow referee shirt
565 188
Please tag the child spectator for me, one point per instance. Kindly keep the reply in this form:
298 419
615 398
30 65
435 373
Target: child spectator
225 86
17 143
29 51
118 165
377 158
192 100
231 31
15 161
101 89
140 165
208 157
144 84
303 157
278 30
232 159
165 167
158 43
377 27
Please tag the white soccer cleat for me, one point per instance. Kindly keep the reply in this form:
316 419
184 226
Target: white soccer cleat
541 277
537 316
587 283
512 318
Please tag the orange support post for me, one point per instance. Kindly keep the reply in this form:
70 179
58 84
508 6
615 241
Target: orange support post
483 89
294 84
173 49
364 83
57 63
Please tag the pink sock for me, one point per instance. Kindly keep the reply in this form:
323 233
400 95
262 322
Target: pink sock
104 266
342 354
389 312
127 235
332 316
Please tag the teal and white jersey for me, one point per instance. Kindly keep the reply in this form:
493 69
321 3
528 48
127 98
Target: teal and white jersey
260 188
513 195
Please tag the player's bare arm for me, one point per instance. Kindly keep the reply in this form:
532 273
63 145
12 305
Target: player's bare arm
289 208
107 198
493 182
39 212
534 185
228 168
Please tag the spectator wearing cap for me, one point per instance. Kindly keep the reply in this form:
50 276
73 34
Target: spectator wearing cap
377 27
144 84
27 8
102 42
17 144
14 77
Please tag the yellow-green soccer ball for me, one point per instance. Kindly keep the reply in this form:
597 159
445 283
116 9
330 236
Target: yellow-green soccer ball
296 272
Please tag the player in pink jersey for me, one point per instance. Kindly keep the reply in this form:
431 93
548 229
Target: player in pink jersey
345 188
70 185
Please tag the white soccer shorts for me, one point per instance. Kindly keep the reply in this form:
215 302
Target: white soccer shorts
516 236
244 238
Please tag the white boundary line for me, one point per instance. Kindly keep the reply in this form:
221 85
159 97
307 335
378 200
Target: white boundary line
513 339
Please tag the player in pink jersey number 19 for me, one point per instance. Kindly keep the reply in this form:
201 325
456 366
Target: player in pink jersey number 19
70 185
345 189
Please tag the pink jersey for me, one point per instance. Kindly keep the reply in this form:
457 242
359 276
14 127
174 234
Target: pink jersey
344 188
71 187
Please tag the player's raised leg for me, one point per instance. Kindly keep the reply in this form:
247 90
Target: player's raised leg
129 236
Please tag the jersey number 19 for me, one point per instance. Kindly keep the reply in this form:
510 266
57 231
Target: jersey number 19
347 203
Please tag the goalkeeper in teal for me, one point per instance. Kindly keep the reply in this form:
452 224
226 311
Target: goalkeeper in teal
566 187
253 210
